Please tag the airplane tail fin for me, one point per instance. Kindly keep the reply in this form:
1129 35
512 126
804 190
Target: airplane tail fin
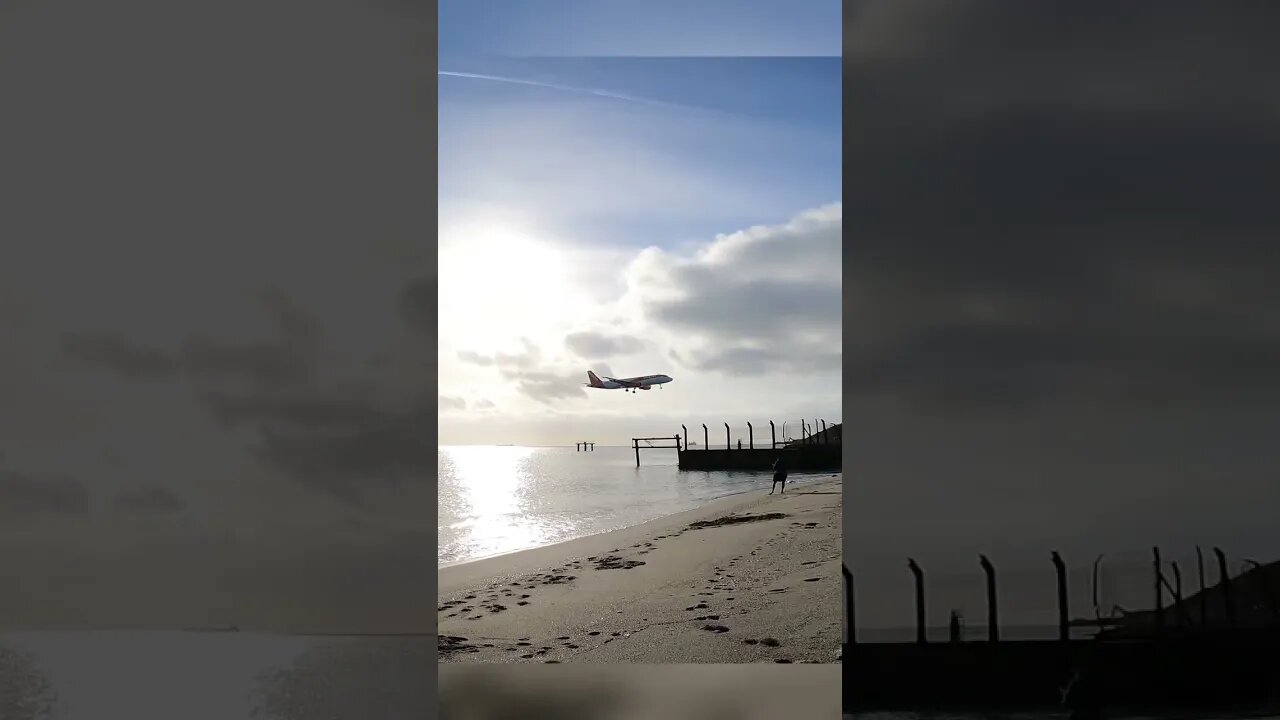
593 381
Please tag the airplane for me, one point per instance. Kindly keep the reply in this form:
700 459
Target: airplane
644 382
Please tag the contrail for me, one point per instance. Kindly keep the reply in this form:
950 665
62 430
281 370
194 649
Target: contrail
565 88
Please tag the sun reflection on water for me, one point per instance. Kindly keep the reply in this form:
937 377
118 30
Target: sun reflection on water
491 487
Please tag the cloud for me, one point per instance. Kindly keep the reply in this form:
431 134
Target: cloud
452 403
528 358
418 302
1082 233
350 438
119 355
762 300
594 345
548 386
149 499
533 375
26 497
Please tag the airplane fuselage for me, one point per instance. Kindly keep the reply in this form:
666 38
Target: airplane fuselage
642 382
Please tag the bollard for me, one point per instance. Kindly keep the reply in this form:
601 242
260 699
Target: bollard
993 613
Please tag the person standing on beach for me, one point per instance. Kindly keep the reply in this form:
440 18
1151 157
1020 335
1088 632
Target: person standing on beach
779 475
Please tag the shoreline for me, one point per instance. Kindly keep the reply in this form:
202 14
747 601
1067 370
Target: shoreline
807 479
750 577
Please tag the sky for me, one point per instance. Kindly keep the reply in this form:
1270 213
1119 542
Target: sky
1060 301
670 28
636 216
212 409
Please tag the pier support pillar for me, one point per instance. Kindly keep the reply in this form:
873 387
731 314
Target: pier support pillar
1064 622
773 437
751 437
1159 572
706 443
852 623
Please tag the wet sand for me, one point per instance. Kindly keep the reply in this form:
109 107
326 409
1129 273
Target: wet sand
751 578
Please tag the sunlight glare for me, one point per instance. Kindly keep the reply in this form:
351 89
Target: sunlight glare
490 479
501 285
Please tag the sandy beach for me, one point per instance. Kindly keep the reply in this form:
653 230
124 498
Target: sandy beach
750 578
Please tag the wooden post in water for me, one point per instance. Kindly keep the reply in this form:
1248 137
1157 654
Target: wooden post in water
751 437
921 635
728 441
686 436
993 612
706 444
773 437
1064 624
1155 553
1204 605
1224 581
636 443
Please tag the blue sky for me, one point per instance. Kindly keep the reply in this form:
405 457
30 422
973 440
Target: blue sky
763 133
637 215
657 27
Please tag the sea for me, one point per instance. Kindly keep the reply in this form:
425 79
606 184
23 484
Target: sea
499 499
109 675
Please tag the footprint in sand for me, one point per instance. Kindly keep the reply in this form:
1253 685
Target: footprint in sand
782 661
523 602
750 641
699 606
715 628
812 579
563 637
594 633
778 590
771 642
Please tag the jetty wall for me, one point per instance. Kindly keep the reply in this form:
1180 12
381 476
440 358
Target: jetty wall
797 458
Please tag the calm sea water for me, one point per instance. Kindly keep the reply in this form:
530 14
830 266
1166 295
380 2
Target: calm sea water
211 676
494 500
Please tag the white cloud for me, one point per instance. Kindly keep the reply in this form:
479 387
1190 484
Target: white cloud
759 301
757 308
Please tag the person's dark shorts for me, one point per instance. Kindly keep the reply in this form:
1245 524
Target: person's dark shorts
779 477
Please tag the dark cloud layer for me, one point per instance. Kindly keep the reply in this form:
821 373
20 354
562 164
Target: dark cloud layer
1029 242
149 499
26 497
118 354
1059 299
346 438
595 345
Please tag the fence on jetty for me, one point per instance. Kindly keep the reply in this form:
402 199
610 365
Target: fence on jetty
1217 647
814 450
